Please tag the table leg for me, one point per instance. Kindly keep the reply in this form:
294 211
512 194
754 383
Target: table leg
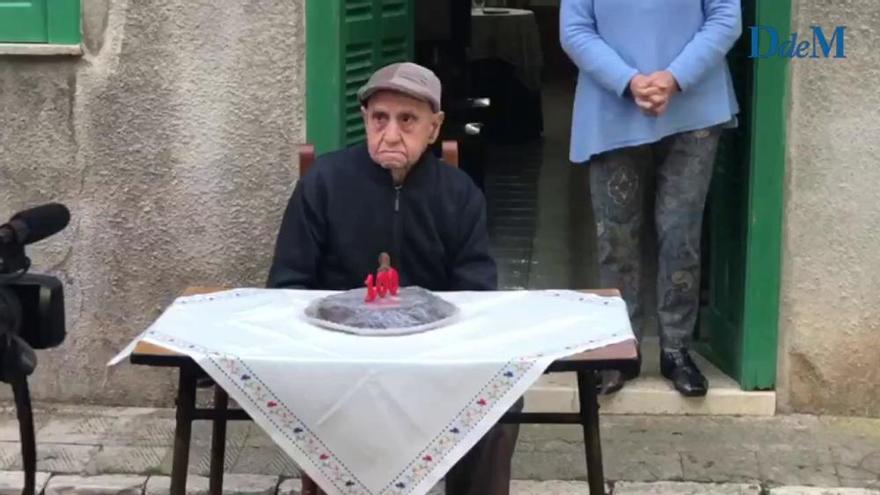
186 402
218 441
589 405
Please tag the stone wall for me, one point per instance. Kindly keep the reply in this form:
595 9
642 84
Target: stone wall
830 321
173 141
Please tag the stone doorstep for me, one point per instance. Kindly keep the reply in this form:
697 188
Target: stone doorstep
651 394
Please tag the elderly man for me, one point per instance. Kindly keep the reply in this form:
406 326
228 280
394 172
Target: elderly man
392 195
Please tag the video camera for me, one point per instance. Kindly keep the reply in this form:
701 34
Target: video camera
31 315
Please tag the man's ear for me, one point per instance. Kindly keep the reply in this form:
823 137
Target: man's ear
439 117
365 114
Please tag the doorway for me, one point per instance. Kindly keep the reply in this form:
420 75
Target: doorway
540 218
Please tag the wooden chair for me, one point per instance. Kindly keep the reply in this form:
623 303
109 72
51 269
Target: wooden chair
449 154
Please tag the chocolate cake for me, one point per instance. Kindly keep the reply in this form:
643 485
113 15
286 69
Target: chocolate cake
412 309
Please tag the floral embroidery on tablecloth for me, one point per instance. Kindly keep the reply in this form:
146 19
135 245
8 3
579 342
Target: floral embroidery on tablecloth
459 427
284 419
323 459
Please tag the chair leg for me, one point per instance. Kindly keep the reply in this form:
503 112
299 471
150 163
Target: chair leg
186 403
218 441
589 412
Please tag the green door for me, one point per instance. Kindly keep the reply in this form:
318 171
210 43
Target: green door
347 41
745 212
23 21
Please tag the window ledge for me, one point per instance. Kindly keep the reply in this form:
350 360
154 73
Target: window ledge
40 49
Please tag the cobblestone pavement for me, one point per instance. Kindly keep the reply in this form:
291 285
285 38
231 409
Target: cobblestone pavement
128 450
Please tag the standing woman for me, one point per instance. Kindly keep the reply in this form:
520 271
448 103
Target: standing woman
654 90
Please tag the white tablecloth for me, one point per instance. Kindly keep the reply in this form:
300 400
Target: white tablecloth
381 415
510 35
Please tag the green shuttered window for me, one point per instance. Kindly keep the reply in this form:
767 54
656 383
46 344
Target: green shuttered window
347 41
40 21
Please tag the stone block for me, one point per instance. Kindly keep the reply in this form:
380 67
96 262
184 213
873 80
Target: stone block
811 490
672 488
9 452
78 430
9 431
199 460
635 462
721 465
96 485
12 482
233 484
547 488
130 460
236 432
63 459
787 465
856 466
151 431
265 460
560 465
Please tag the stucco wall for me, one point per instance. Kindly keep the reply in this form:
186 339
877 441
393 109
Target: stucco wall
173 141
830 321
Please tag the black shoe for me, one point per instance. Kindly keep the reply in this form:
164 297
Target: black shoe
611 381
676 365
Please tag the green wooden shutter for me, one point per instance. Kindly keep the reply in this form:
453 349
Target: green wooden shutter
62 21
745 212
727 215
23 21
347 41
40 21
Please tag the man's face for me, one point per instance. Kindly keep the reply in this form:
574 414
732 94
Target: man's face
399 129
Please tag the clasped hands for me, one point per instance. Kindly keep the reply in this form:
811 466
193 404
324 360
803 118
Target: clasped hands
653 92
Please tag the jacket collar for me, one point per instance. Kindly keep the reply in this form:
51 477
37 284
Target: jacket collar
417 176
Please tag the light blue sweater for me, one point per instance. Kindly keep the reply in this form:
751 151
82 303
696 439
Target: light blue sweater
613 40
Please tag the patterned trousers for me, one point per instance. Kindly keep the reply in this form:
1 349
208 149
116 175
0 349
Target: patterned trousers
683 166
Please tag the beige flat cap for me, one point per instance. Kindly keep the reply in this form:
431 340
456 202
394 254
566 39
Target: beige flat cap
407 78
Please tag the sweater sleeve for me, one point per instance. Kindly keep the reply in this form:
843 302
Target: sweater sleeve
581 41
721 29
300 240
473 267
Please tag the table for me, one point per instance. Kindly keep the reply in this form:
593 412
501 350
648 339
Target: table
622 356
506 63
510 35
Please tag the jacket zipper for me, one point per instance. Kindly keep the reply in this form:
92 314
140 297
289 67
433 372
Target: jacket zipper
396 227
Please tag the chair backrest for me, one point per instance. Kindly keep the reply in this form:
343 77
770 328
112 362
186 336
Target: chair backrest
449 150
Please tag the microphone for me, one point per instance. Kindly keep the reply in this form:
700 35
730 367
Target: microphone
35 224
